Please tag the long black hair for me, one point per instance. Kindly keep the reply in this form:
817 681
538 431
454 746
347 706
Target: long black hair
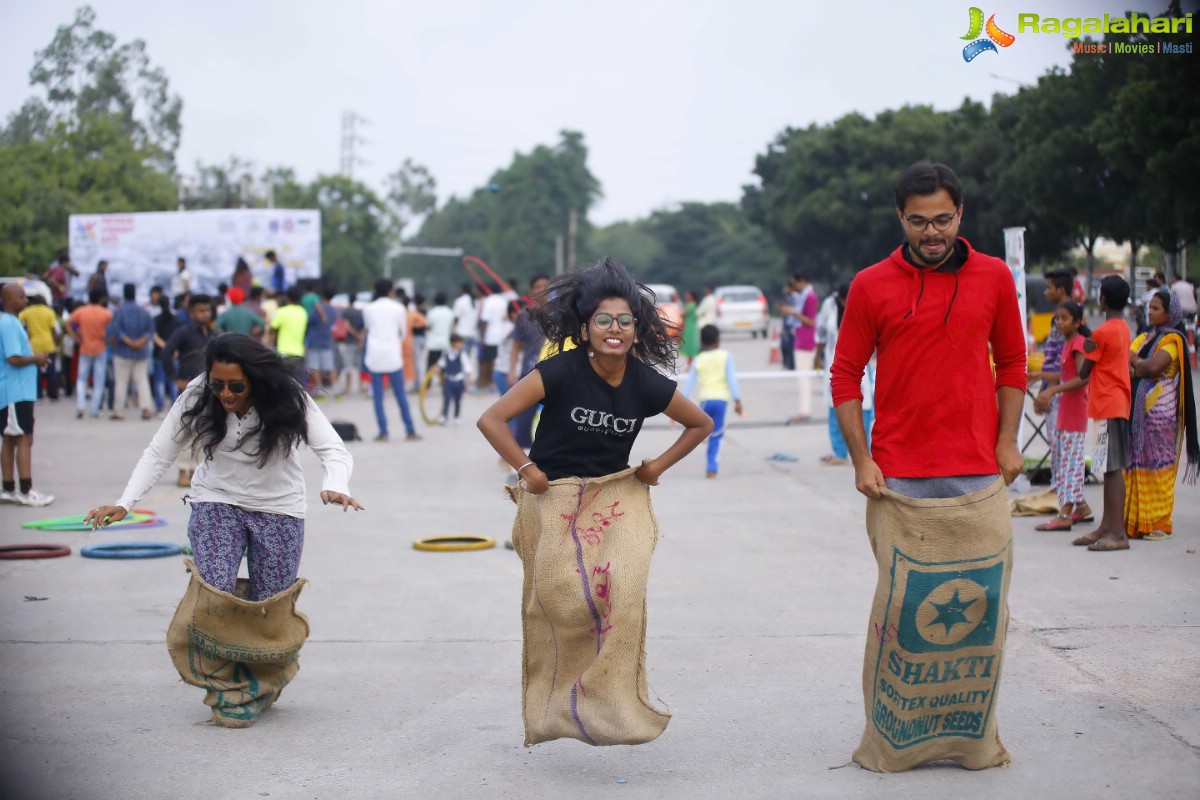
576 295
1076 312
278 398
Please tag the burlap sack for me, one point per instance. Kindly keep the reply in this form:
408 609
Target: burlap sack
243 653
1036 504
935 643
586 548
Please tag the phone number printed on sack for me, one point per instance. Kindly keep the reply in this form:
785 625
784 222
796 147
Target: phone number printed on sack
938 658
206 648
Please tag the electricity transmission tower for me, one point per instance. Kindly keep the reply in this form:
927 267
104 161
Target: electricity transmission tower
351 122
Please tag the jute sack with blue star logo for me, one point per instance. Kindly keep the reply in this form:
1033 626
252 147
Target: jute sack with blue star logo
585 546
242 652
935 643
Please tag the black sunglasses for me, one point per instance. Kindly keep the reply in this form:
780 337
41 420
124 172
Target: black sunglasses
218 387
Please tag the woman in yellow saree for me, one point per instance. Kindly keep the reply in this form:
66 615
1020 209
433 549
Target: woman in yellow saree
1162 420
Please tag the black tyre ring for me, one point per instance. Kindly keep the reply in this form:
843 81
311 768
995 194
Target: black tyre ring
15 551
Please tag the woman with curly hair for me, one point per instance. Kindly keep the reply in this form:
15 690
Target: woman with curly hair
596 395
584 527
247 416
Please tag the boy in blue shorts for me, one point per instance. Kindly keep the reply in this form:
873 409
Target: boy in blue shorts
713 371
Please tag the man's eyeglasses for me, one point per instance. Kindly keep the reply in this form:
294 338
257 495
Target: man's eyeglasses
219 387
624 321
940 223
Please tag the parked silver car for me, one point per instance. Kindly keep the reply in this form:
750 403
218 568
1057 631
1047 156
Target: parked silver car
742 308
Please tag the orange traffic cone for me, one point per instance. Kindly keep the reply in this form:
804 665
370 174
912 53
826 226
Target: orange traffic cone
774 357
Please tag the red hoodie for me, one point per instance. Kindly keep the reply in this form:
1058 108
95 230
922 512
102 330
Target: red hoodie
935 392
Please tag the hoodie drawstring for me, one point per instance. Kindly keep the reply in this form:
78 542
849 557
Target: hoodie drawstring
920 294
946 319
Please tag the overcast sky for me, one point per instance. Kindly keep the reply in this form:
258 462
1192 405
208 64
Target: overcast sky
675 97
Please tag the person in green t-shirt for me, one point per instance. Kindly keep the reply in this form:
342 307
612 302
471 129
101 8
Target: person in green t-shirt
311 295
288 324
239 319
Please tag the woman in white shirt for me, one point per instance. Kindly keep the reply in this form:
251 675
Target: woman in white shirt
246 415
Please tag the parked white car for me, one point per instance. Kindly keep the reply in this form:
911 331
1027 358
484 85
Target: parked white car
32 287
742 308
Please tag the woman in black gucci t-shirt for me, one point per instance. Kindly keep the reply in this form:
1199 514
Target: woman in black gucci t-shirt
595 397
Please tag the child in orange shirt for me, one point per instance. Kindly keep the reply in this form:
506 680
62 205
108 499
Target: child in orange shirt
1106 368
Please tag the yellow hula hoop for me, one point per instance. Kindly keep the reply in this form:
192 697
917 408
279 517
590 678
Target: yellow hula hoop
453 544
421 397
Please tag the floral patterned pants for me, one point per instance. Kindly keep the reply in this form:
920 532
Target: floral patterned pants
220 533
1067 466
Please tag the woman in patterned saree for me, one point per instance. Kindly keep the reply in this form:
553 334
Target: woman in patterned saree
1162 420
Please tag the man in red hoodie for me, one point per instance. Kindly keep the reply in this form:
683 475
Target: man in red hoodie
946 425
946 428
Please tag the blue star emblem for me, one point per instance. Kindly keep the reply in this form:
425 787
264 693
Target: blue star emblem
951 612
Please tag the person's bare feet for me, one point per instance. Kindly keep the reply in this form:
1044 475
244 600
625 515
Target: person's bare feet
1110 541
1088 539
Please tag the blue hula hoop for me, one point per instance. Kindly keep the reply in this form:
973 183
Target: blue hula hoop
131 550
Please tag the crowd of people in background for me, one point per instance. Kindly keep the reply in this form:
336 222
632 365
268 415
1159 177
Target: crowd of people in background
115 354
1137 394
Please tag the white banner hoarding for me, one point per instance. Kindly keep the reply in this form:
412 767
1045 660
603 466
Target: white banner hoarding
142 248
1014 254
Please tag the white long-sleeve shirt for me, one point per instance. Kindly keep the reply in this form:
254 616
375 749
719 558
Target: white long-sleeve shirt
233 476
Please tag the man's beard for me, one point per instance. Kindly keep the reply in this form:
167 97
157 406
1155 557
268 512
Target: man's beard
934 259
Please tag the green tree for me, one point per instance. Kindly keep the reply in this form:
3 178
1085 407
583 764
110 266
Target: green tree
411 193
99 136
535 195
92 168
1053 164
354 241
85 74
1150 134
228 185
513 222
631 243
826 194
711 243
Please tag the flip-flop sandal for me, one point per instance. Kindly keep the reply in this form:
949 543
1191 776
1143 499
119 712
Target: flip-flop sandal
1088 518
1101 546
1156 536
1059 523
1085 541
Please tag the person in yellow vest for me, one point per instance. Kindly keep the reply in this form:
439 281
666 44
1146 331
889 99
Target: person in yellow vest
716 378
45 336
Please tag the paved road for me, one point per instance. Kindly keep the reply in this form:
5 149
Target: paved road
410 686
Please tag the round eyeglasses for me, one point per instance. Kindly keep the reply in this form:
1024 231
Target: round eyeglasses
603 320
940 223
